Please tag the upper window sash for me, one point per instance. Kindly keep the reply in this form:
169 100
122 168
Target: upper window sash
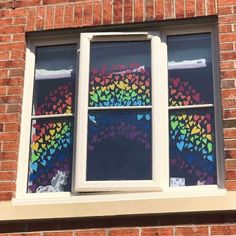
157 110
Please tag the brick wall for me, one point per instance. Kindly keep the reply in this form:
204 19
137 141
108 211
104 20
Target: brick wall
20 16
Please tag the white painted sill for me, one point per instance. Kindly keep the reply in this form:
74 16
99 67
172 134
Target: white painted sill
64 205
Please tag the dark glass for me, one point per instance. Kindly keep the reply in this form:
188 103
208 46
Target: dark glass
192 147
119 145
51 155
190 69
54 80
120 74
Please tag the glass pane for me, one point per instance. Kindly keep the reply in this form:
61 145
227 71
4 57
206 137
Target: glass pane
190 70
54 80
120 74
119 145
50 155
192 147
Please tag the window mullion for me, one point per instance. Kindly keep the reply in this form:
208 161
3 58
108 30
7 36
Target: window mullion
82 113
160 111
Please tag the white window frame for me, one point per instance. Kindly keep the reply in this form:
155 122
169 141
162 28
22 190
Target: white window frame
157 85
160 185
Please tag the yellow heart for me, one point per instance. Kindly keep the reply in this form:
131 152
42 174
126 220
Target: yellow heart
35 146
52 131
134 86
195 130
47 137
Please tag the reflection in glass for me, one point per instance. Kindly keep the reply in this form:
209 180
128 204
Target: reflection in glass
119 145
120 74
192 147
54 80
190 70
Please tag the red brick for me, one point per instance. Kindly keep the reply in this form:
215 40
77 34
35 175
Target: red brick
12 46
78 14
16 72
229 185
12 64
107 12
230 144
7 176
11 127
59 16
49 18
11 81
90 233
4 196
169 9
228 74
190 8
117 11
159 9
6 21
2 108
97 13
9 156
226 2
229 103
229 37
12 29
230 154
229 114
10 136
211 8
200 7
10 99
26 234
10 146
225 10
4 55
226 47
228 55
23 3
20 21
229 93
31 19
69 15
225 29
228 19
88 9
123 232
179 8
231 175
3 91
227 65
13 108
15 90
9 117
18 38
223 229
128 11
7 186
230 133
8 165
230 164
138 10
58 233
40 18
19 12
149 9
193 230
157 231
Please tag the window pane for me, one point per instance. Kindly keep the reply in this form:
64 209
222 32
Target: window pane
120 74
50 155
119 145
190 70
54 80
192 147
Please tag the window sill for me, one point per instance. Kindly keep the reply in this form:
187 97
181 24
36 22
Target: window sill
65 206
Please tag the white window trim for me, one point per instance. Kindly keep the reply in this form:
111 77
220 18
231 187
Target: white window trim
157 114
189 192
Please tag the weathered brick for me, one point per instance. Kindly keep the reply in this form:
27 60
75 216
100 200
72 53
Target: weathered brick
123 232
157 231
